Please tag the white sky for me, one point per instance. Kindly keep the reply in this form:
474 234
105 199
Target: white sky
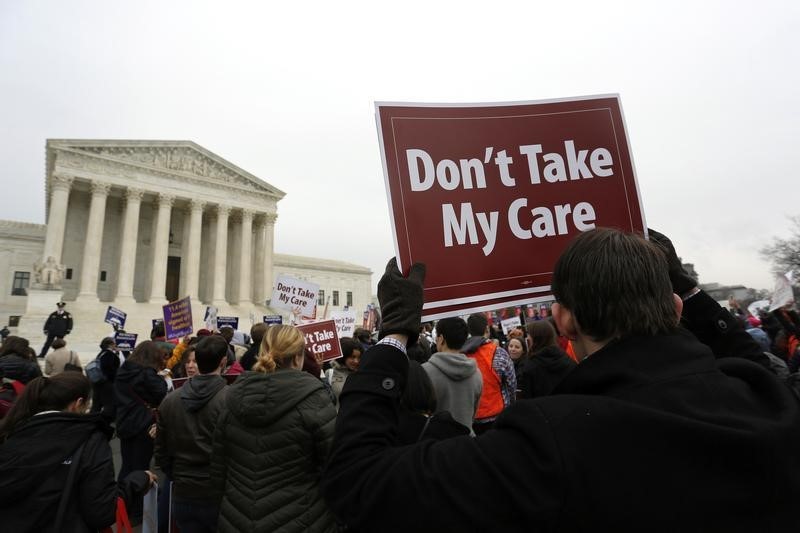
286 92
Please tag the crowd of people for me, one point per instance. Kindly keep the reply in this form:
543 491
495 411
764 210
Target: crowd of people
638 390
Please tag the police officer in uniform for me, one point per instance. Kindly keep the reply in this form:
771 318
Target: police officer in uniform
58 326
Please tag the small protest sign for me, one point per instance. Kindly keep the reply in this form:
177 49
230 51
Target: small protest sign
509 324
783 294
273 319
156 321
115 317
125 341
345 322
322 339
228 321
295 295
210 317
178 318
470 185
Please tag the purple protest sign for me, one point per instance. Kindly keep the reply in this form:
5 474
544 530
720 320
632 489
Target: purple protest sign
178 318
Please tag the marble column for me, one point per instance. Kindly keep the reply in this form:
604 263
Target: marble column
160 240
130 236
258 278
192 258
60 185
269 238
94 242
221 255
245 265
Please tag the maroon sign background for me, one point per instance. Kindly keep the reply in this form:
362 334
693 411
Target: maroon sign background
322 339
488 195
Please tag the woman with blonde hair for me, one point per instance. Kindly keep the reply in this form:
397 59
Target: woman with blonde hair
271 442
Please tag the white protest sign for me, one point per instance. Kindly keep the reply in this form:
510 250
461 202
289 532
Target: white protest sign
783 294
295 295
345 322
510 323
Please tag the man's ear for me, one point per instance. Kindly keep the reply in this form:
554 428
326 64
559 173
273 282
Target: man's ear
678 305
565 321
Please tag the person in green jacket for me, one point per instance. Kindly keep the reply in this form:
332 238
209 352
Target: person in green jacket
271 443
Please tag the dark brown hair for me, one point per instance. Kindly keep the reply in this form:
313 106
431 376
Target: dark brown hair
45 394
616 285
542 334
58 343
15 345
148 353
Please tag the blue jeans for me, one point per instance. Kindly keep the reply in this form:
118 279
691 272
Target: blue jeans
194 516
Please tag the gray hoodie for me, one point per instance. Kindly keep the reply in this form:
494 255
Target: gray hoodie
457 383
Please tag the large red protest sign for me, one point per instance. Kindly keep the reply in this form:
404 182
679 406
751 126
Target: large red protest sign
489 195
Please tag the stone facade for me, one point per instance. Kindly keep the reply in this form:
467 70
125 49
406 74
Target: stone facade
135 224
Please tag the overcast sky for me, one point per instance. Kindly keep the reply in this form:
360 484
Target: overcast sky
286 91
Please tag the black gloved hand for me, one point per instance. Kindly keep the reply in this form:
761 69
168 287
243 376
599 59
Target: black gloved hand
400 299
681 281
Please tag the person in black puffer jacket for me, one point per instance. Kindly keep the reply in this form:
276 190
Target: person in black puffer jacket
271 442
15 361
138 390
547 364
35 467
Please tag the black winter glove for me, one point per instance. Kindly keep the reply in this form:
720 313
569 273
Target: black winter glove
681 281
400 299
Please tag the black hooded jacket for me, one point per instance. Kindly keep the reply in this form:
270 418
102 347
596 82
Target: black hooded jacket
137 392
543 371
186 422
33 473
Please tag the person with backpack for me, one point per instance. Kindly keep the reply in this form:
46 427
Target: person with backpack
56 467
60 359
102 372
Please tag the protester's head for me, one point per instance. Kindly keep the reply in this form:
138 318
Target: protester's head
281 347
58 343
149 354
109 343
477 324
351 353
211 354
541 334
362 335
516 349
67 391
516 332
451 333
257 333
226 332
15 345
190 364
613 285
419 395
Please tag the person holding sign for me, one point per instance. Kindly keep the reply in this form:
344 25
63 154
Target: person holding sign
652 414
271 442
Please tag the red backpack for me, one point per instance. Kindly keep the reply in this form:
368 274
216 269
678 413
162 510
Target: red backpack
10 389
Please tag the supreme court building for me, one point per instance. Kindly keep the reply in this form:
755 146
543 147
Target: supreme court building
135 224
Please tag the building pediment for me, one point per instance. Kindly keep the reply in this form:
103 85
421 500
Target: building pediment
181 159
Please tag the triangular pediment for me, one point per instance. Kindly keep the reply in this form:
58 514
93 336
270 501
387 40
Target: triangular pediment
175 157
